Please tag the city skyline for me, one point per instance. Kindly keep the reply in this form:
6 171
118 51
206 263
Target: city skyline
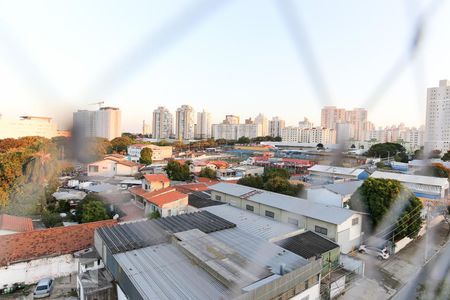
212 65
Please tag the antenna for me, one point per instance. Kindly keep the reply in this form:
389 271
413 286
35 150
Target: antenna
98 103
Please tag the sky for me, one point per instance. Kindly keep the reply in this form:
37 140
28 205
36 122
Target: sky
280 58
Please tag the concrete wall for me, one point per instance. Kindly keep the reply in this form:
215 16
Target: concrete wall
32 271
123 170
106 168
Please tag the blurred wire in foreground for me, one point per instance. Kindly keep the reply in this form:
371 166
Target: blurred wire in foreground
305 51
152 46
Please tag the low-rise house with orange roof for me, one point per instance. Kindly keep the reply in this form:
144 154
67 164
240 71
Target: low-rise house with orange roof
167 201
27 257
112 165
13 224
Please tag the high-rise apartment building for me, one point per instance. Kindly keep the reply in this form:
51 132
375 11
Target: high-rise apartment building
146 128
203 126
235 131
264 123
231 119
437 124
357 117
411 138
305 124
290 134
313 135
275 126
184 123
162 123
28 126
105 122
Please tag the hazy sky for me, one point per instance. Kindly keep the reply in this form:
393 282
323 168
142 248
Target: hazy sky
228 57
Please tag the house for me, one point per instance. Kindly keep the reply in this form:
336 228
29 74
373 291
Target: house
111 166
236 173
202 256
340 225
27 257
336 194
422 186
333 174
12 224
156 194
159 153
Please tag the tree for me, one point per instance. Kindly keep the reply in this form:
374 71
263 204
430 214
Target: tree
51 219
94 210
319 146
252 181
274 172
177 171
120 144
154 215
384 150
446 156
389 200
277 139
208 173
243 140
146 156
353 146
277 184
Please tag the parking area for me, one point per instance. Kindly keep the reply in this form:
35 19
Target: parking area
64 289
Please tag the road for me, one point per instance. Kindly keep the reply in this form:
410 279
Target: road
398 277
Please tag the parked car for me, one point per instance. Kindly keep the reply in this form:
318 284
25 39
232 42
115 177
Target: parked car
43 288
374 251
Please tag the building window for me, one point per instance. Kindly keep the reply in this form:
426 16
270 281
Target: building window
293 221
355 221
93 168
249 207
218 198
321 230
270 214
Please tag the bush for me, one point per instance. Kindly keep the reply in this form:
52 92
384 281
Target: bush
51 219
154 215
63 206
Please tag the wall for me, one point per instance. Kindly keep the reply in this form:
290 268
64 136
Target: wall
331 228
105 168
32 271
4 232
125 170
313 293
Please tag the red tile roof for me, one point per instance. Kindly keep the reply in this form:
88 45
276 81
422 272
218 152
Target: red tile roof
207 180
191 187
159 197
14 223
156 178
26 246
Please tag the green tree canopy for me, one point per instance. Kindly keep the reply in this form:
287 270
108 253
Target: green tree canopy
274 172
252 181
208 173
446 156
120 144
389 203
243 140
146 156
384 150
177 171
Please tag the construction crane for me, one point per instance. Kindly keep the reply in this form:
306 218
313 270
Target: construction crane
98 103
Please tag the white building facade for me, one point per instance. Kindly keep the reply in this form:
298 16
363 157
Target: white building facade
162 123
203 126
105 122
437 124
276 125
28 126
184 123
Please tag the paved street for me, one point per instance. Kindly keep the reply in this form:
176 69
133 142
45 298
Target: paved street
395 276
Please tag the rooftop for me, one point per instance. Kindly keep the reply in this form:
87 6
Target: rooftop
15 223
418 179
157 178
307 244
336 170
254 224
330 214
55 241
159 197
345 188
202 199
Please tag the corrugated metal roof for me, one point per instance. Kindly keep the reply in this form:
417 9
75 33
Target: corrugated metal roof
336 170
307 244
345 188
252 223
164 272
260 251
204 221
131 236
330 214
418 179
201 199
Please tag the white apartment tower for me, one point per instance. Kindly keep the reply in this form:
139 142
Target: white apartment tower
184 123
357 117
203 126
105 122
28 126
162 123
264 123
437 123
275 126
